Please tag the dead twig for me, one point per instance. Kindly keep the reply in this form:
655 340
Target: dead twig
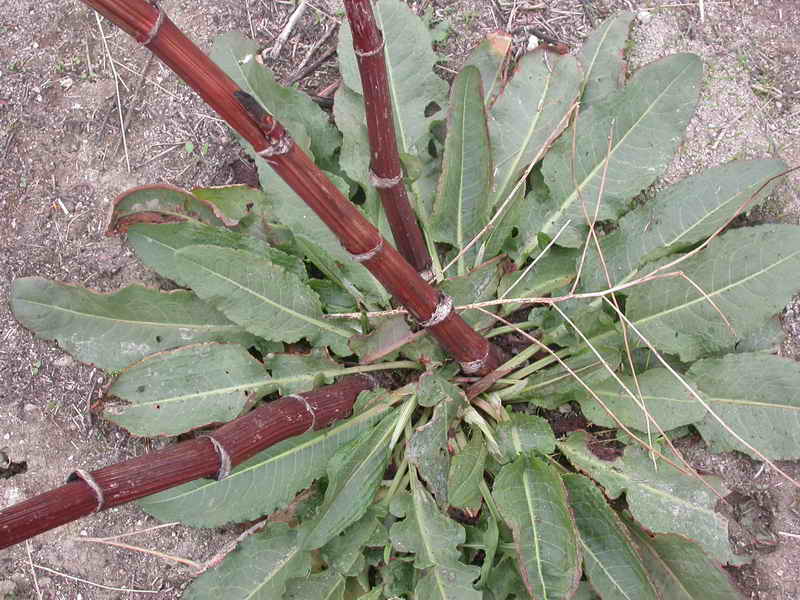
287 29
116 88
305 69
132 101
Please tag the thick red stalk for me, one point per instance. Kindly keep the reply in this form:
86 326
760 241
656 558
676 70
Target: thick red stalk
241 439
149 25
386 171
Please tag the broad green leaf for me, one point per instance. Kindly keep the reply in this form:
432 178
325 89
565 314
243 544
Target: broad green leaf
680 215
233 202
680 569
433 538
479 285
602 58
504 580
111 331
236 55
550 273
409 64
428 448
530 114
262 297
585 592
262 484
662 395
258 570
180 390
327 585
354 474
491 58
758 396
646 120
345 551
433 388
612 565
551 387
314 364
156 246
313 238
452 582
524 434
533 502
462 206
749 273
665 500
399 579
160 203
390 334
466 473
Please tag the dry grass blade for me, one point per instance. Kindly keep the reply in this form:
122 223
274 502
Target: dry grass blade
690 472
116 88
185 561
705 404
537 259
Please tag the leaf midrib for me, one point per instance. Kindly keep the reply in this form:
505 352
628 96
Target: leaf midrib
128 321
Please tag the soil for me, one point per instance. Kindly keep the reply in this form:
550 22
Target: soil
61 164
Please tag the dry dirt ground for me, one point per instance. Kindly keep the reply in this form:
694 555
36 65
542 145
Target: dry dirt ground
61 163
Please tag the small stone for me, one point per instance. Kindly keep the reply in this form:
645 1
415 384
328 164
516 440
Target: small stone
64 361
533 43
644 16
66 82
29 407
45 582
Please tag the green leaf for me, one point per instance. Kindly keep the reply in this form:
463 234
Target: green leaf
646 119
428 447
266 482
236 55
524 434
354 474
114 330
327 585
434 539
602 56
479 285
433 388
462 206
466 473
503 580
551 387
233 202
313 365
552 272
665 500
490 57
345 551
585 592
258 570
756 395
156 246
160 204
533 503
680 569
664 397
749 273
314 240
180 390
525 121
409 64
262 297
613 567
680 215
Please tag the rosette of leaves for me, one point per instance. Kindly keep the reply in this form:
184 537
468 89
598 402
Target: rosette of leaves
648 316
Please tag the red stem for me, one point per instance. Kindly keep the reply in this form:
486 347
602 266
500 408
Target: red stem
269 139
242 438
386 169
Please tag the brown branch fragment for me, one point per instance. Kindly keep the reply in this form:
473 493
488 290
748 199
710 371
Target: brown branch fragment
386 172
205 456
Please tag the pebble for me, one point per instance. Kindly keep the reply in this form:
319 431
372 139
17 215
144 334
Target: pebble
64 361
29 407
644 16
